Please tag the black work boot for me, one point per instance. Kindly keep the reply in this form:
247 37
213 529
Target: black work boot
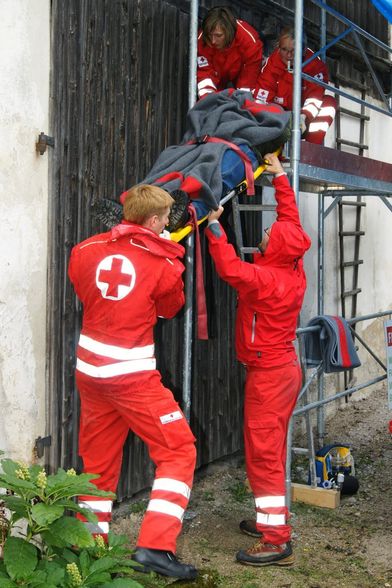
162 562
248 526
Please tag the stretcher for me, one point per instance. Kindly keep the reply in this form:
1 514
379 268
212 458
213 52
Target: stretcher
110 212
236 191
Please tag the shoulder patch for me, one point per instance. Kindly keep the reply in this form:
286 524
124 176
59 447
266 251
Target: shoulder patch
202 61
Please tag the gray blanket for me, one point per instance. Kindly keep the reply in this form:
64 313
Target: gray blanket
333 344
230 115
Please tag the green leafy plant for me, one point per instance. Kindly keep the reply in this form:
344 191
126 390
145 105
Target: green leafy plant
42 545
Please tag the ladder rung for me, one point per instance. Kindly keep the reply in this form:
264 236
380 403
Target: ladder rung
256 207
352 263
300 450
352 203
351 143
354 114
249 249
352 292
351 233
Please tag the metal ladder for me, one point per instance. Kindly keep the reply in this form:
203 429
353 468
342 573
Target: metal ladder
240 206
352 290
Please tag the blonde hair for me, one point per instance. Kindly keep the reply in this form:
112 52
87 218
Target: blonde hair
223 17
287 31
143 201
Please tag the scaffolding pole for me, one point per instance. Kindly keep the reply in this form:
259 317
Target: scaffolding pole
190 242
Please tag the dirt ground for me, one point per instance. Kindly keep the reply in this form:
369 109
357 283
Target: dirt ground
349 547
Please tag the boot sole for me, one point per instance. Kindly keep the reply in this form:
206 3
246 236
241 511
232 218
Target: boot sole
287 561
250 534
147 569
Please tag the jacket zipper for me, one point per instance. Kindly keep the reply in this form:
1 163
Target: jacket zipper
252 339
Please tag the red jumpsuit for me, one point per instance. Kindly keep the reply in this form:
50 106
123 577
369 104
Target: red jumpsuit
270 295
125 279
239 63
275 84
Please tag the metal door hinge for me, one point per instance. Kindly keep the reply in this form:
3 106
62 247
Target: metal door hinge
41 443
43 142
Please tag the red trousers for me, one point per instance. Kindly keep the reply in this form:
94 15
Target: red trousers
318 126
270 397
109 408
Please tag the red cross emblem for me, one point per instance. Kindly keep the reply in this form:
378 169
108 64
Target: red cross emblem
115 277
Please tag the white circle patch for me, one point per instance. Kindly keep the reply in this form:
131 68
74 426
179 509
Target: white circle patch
115 277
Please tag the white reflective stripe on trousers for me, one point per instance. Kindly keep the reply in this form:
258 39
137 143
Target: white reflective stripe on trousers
318 126
327 111
166 507
97 527
115 351
116 369
274 520
171 485
270 501
97 505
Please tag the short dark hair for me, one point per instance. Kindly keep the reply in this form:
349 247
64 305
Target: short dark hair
223 17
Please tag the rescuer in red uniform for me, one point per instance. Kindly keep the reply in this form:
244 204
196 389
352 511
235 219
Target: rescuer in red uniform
275 84
270 294
126 278
229 51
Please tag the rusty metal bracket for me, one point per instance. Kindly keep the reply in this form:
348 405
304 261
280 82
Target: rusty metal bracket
41 443
43 142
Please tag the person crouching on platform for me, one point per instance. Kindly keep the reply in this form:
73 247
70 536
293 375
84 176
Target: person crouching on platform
126 278
270 294
275 84
229 52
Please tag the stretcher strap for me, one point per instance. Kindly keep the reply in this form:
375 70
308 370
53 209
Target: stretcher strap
247 162
202 329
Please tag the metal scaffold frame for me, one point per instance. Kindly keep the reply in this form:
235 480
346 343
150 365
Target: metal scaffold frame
350 184
343 184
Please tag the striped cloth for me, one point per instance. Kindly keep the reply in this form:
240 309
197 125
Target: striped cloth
333 344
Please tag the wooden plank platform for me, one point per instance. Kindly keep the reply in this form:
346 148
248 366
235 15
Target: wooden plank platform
323 168
316 496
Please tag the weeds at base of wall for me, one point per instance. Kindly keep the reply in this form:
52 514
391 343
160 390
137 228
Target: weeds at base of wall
38 533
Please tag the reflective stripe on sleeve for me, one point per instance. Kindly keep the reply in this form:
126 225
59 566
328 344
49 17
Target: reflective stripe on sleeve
270 501
273 520
206 91
114 351
166 507
116 369
207 83
171 485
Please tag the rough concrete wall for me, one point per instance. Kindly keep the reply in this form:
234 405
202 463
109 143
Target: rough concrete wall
24 97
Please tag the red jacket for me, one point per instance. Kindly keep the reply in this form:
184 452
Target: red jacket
270 290
275 83
240 63
125 279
